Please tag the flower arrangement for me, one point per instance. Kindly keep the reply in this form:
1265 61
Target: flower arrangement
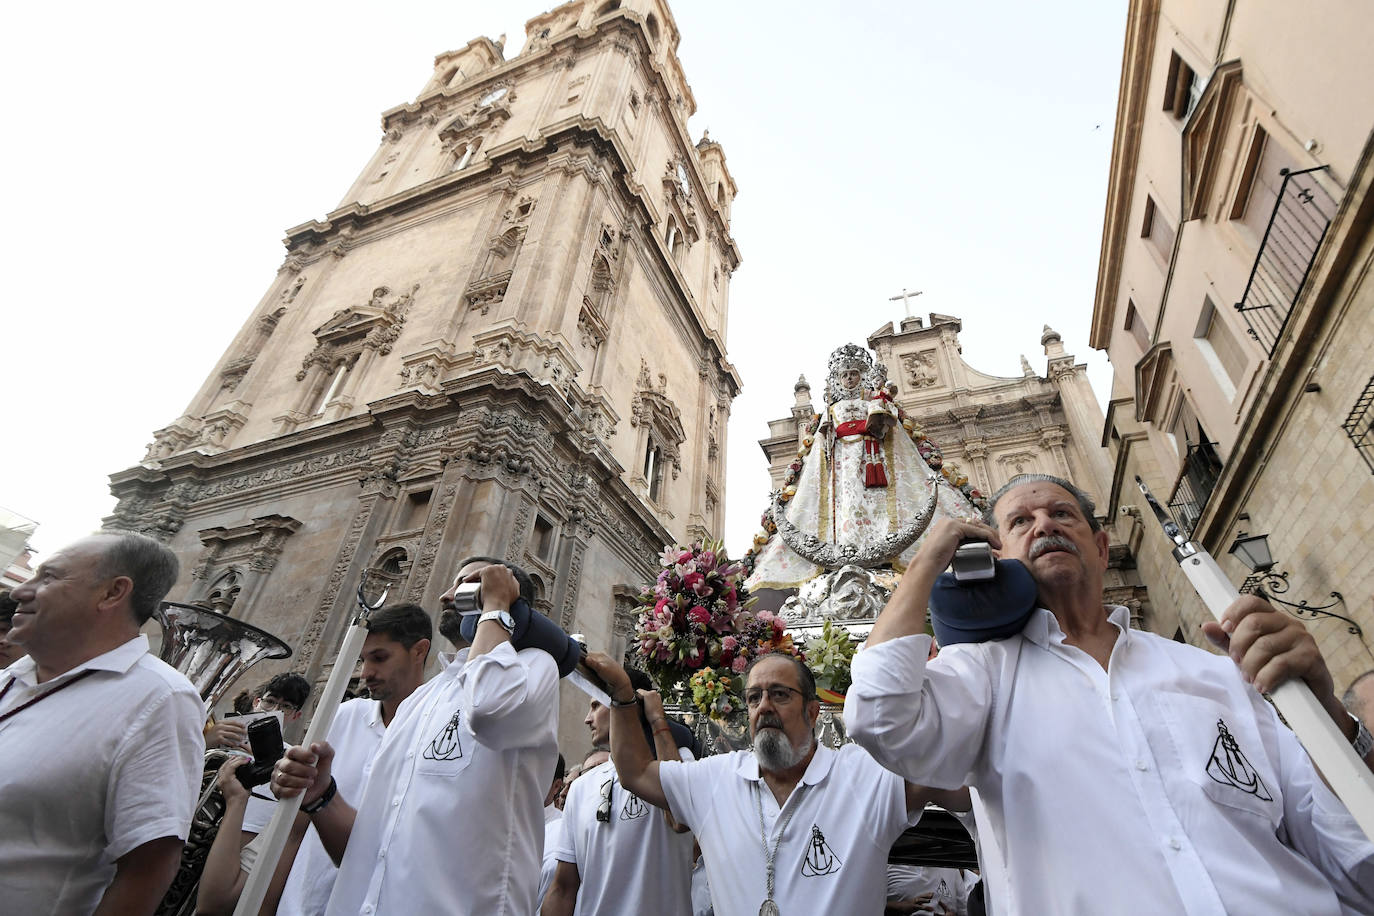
829 654
713 693
695 626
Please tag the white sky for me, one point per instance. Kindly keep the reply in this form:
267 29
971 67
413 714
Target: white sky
157 152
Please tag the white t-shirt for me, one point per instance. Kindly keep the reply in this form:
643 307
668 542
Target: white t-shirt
1164 783
949 886
832 857
91 772
452 817
553 829
630 864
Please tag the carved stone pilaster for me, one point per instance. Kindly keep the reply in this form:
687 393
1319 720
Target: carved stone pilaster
343 561
570 583
429 547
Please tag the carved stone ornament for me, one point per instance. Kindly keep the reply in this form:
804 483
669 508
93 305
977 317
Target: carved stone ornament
920 370
848 593
828 555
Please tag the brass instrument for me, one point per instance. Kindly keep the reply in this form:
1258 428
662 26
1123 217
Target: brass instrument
213 651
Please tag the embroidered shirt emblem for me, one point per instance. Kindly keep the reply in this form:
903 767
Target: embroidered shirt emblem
634 807
1229 767
446 745
820 859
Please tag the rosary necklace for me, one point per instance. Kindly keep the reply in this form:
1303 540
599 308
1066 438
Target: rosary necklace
770 907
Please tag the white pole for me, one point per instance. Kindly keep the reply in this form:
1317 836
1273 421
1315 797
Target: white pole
275 835
1329 749
1333 754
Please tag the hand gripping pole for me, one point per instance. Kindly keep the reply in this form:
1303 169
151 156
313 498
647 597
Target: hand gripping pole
1329 749
277 830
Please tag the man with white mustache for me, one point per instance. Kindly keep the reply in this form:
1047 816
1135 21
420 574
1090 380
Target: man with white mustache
1115 771
789 827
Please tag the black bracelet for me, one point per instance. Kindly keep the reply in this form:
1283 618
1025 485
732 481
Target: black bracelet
324 799
616 704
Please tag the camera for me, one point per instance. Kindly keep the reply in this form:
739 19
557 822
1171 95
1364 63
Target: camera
973 562
467 597
264 740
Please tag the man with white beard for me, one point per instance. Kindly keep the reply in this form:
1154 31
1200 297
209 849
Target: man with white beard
789 827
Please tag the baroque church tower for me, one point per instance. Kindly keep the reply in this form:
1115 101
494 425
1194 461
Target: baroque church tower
508 339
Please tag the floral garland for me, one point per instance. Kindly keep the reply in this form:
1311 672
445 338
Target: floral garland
695 627
926 446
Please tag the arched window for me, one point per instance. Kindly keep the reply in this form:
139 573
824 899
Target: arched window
463 154
651 23
609 7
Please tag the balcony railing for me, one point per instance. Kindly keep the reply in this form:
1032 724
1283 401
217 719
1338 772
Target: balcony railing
1196 481
1302 212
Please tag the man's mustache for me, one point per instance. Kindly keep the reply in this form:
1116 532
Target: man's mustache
1049 542
769 721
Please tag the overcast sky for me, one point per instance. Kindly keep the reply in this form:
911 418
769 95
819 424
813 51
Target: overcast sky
157 152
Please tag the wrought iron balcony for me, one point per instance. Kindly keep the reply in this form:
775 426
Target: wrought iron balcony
1196 481
1302 212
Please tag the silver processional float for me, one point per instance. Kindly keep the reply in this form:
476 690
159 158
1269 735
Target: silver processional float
1329 749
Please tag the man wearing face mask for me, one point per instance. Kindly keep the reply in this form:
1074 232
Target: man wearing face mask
451 819
789 826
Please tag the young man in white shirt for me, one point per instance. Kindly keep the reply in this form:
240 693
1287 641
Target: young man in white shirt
617 855
393 667
1120 772
100 742
451 819
789 827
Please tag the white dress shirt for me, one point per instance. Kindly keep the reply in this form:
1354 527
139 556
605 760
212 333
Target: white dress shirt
92 772
630 864
452 817
832 856
1163 784
553 831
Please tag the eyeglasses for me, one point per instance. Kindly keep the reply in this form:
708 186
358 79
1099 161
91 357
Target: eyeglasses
269 703
603 810
780 694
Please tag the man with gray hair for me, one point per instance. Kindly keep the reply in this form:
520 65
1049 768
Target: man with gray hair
787 827
100 742
1117 771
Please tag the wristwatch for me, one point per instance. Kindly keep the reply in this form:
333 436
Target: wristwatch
502 617
1364 741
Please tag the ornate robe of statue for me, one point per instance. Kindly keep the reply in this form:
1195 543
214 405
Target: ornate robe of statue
863 476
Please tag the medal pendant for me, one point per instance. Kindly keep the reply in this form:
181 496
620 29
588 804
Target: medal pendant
769 908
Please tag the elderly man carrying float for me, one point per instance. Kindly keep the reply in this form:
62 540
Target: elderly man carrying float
1120 772
787 827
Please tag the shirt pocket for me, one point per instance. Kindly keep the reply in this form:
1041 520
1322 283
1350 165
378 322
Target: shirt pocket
448 746
1221 753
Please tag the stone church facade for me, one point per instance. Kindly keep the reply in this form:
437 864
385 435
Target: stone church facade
991 428
508 339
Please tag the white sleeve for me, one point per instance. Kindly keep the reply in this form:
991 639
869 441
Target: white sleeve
575 810
1320 827
508 697
689 787
925 722
155 777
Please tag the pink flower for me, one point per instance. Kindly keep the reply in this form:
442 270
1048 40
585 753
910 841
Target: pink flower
692 580
707 559
739 664
699 615
729 644
669 556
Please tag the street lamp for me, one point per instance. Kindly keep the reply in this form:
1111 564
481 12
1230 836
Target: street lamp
1253 551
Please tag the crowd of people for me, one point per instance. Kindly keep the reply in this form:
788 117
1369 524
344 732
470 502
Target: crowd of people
1102 769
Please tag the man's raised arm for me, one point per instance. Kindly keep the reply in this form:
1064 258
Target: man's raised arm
905 614
634 762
